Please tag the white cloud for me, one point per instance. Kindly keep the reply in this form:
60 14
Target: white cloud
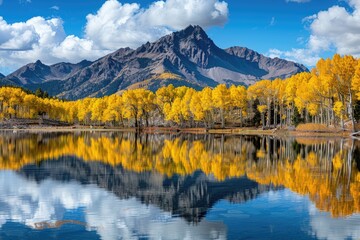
57 8
38 38
304 56
178 14
338 28
309 19
118 25
30 203
334 30
327 228
113 26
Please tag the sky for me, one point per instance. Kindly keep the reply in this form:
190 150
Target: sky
70 31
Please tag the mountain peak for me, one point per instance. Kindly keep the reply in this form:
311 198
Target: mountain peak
195 32
193 28
38 62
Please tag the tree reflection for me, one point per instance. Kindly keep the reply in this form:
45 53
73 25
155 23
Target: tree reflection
325 170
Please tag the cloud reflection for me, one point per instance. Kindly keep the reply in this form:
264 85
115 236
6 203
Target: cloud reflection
29 202
327 228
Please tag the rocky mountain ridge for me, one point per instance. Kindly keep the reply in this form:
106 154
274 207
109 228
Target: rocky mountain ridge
188 57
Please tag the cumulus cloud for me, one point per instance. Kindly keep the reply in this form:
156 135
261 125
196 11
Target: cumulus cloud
31 203
113 26
128 25
38 38
336 30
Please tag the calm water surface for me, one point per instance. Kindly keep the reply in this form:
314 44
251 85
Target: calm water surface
122 186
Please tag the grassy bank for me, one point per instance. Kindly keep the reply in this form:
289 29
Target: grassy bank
303 130
174 130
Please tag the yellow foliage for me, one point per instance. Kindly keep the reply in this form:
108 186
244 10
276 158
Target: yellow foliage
168 75
262 108
339 109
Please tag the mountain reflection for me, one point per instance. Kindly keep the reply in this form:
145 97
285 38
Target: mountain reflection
182 173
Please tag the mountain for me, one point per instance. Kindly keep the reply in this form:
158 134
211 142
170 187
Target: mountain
188 57
38 73
275 67
2 76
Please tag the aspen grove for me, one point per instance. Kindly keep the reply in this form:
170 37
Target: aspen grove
329 95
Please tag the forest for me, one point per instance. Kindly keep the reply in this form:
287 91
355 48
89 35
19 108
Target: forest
328 95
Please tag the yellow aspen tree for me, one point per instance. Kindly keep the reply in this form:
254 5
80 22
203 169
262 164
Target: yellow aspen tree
355 83
207 105
340 110
97 110
222 101
131 106
344 69
262 91
185 105
173 111
262 109
238 97
84 111
146 99
165 95
196 107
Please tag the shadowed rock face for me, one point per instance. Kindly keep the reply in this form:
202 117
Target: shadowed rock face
188 54
187 196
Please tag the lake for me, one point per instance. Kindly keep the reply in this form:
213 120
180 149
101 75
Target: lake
97 185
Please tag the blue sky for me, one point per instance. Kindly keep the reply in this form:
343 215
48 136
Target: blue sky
57 30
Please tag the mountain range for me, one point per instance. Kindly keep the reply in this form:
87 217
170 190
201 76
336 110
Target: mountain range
187 57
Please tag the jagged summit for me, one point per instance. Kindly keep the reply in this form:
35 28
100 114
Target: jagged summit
189 54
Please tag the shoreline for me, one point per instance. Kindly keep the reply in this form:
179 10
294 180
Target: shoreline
174 130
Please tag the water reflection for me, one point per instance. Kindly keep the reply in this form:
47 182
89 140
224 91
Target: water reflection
324 227
44 205
325 170
156 177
